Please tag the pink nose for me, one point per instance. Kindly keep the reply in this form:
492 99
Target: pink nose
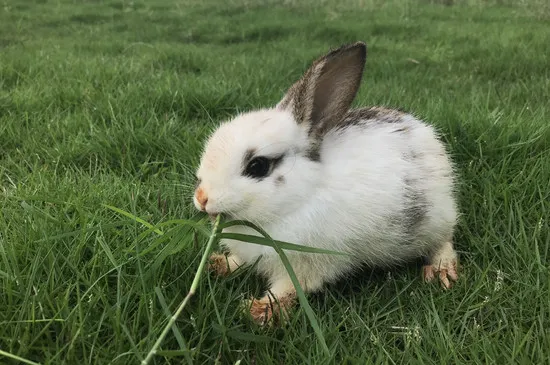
202 198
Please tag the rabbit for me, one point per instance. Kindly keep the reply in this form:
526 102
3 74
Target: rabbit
373 183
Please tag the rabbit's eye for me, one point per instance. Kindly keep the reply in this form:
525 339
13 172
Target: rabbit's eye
258 167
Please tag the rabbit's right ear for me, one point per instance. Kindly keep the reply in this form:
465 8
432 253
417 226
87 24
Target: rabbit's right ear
323 96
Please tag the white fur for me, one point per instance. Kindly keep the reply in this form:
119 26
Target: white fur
345 202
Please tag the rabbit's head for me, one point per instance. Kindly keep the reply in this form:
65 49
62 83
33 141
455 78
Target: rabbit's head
266 163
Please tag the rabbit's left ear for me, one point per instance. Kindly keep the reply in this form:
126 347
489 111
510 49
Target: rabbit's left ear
323 96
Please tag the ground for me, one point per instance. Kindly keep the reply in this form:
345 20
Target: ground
109 102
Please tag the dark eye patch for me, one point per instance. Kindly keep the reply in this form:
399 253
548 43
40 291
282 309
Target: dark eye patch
259 167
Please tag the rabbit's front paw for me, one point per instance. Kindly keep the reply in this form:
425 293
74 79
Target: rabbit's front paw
270 310
223 265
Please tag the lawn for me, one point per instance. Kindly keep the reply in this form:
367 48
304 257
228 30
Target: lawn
109 102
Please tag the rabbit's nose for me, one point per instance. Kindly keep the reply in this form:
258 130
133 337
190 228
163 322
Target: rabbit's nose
202 198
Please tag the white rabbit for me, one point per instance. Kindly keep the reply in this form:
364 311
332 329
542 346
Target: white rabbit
374 183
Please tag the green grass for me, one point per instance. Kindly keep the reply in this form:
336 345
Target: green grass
108 102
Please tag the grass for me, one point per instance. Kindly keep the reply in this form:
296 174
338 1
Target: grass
108 103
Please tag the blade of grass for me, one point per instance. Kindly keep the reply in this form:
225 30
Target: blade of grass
174 245
85 230
45 320
179 230
39 212
299 291
129 336
194 285
242 336
15 357
198 225
5 274
283 245
137 219
174 353
175 329
108 252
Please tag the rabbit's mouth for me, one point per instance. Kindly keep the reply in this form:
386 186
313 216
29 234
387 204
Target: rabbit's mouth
225 216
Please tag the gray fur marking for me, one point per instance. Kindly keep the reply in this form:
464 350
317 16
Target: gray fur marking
248 156
370 115
416 208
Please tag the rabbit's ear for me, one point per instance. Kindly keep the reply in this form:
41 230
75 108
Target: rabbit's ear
322 97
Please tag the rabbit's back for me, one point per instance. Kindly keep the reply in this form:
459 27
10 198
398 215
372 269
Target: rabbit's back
387 189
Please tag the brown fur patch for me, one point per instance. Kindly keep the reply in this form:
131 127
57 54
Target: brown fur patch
218 264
